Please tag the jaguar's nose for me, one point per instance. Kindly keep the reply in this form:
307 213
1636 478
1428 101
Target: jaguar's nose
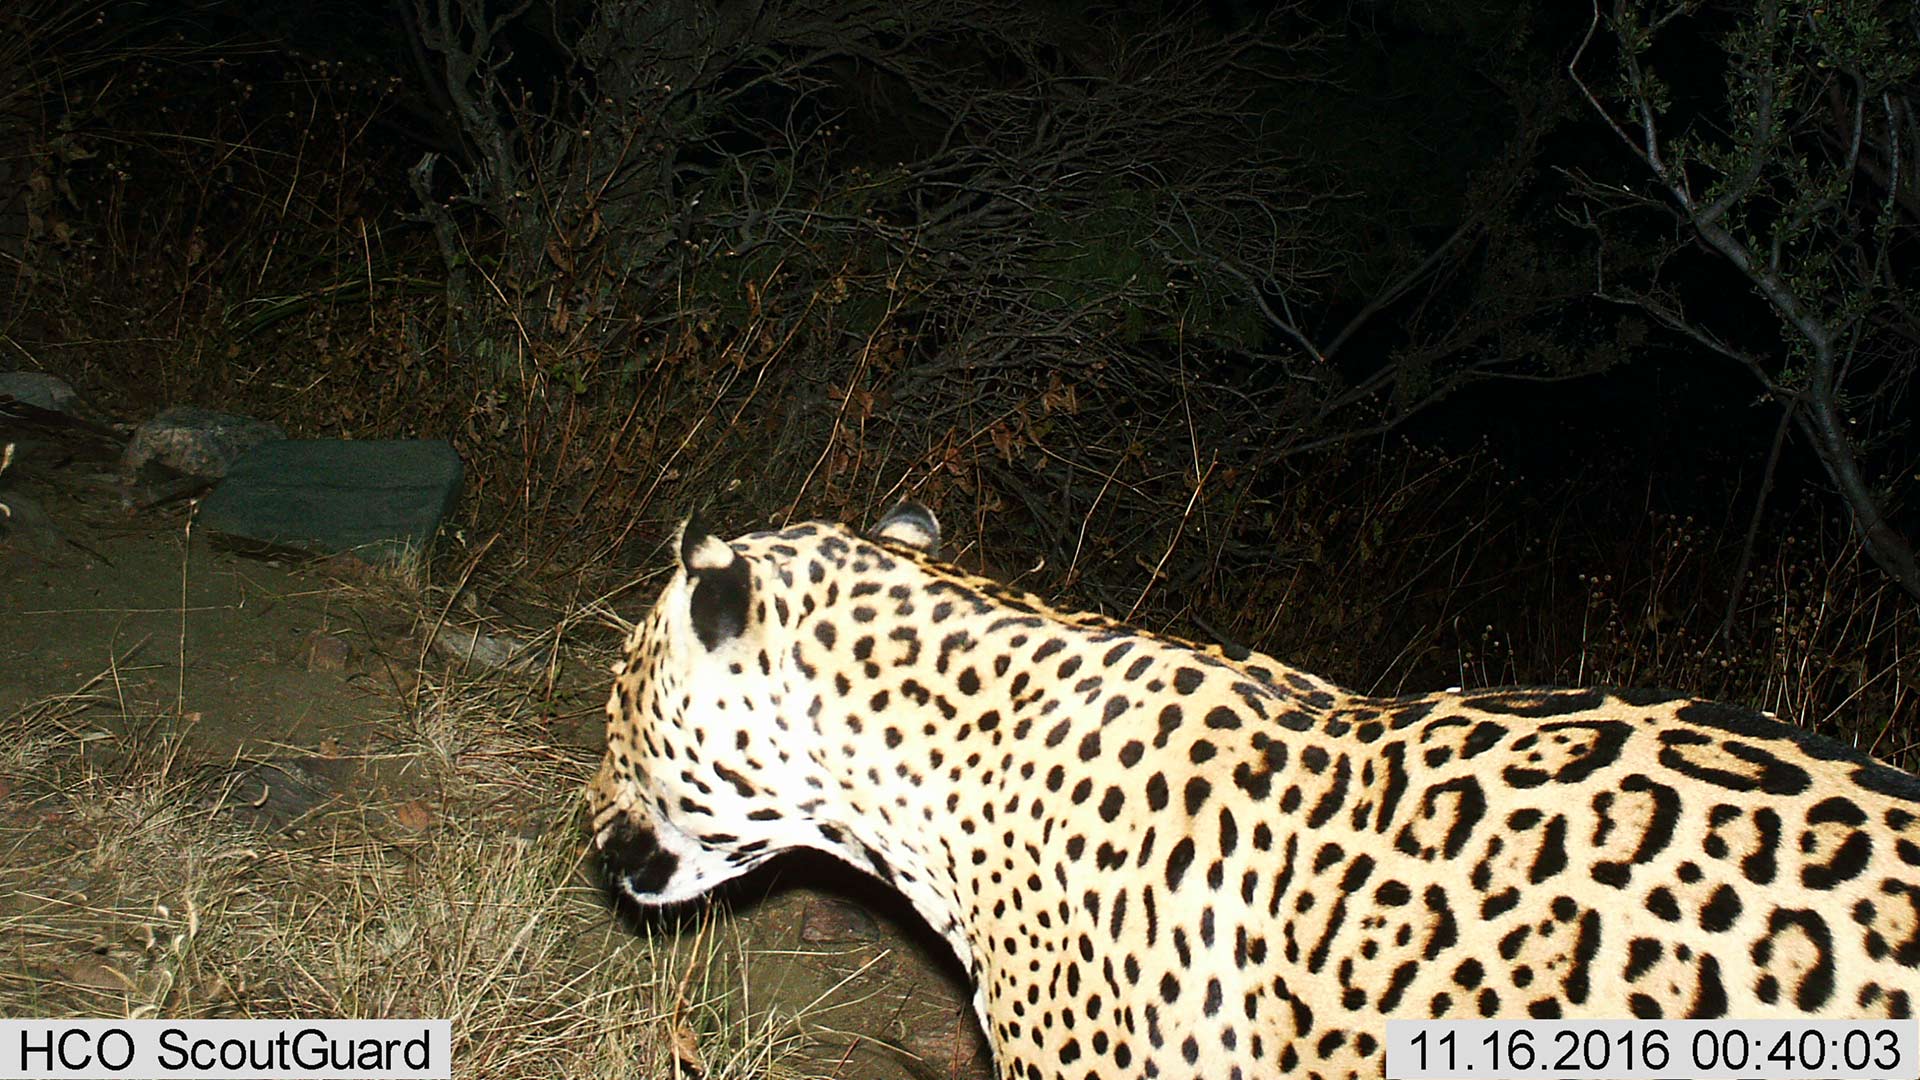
634 858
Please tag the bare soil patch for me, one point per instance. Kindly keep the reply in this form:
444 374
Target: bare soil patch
235 786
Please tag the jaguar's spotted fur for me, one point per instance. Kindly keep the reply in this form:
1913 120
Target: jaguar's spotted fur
1161 860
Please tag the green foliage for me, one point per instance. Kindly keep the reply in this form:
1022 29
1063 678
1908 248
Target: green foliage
1798 176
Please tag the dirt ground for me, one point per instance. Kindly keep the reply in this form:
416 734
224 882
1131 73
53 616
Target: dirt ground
195 740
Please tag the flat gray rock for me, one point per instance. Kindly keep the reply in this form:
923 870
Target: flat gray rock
377 499
38 389
195 441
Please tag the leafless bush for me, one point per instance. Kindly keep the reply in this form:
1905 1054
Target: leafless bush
845 251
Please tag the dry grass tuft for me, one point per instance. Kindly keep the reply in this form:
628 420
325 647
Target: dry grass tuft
130 888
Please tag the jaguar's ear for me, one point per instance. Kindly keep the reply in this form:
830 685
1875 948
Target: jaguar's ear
718 584
911 524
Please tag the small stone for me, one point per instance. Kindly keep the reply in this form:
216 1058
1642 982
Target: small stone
94 973
197 442
957 1050
325 652
469 646
24 525
406 680
269 794
413 816
830 921
38 389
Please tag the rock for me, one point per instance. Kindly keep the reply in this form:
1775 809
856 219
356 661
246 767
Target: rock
381 500
828 920
956 1049
195 441
95 973
38 389
326 652
413 816
481 649
269 795
24 526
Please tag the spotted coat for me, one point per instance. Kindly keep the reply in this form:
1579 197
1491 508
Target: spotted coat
1164 860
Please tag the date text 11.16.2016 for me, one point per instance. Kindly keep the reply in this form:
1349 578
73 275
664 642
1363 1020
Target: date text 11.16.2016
1653 1049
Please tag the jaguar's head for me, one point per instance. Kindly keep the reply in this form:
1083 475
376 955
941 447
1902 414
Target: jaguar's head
713 762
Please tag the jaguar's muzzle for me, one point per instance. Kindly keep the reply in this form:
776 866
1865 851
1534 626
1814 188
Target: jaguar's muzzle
635 861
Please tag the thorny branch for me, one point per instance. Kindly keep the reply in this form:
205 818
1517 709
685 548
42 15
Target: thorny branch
1825 268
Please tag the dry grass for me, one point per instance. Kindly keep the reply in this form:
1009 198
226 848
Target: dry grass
455 889
1404 570
1819 638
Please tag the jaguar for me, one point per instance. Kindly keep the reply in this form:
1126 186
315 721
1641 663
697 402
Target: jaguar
1163 859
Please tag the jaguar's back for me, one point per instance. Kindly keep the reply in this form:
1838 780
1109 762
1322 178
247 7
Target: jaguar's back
1160 860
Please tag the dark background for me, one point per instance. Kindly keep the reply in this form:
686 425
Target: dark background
1355 332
